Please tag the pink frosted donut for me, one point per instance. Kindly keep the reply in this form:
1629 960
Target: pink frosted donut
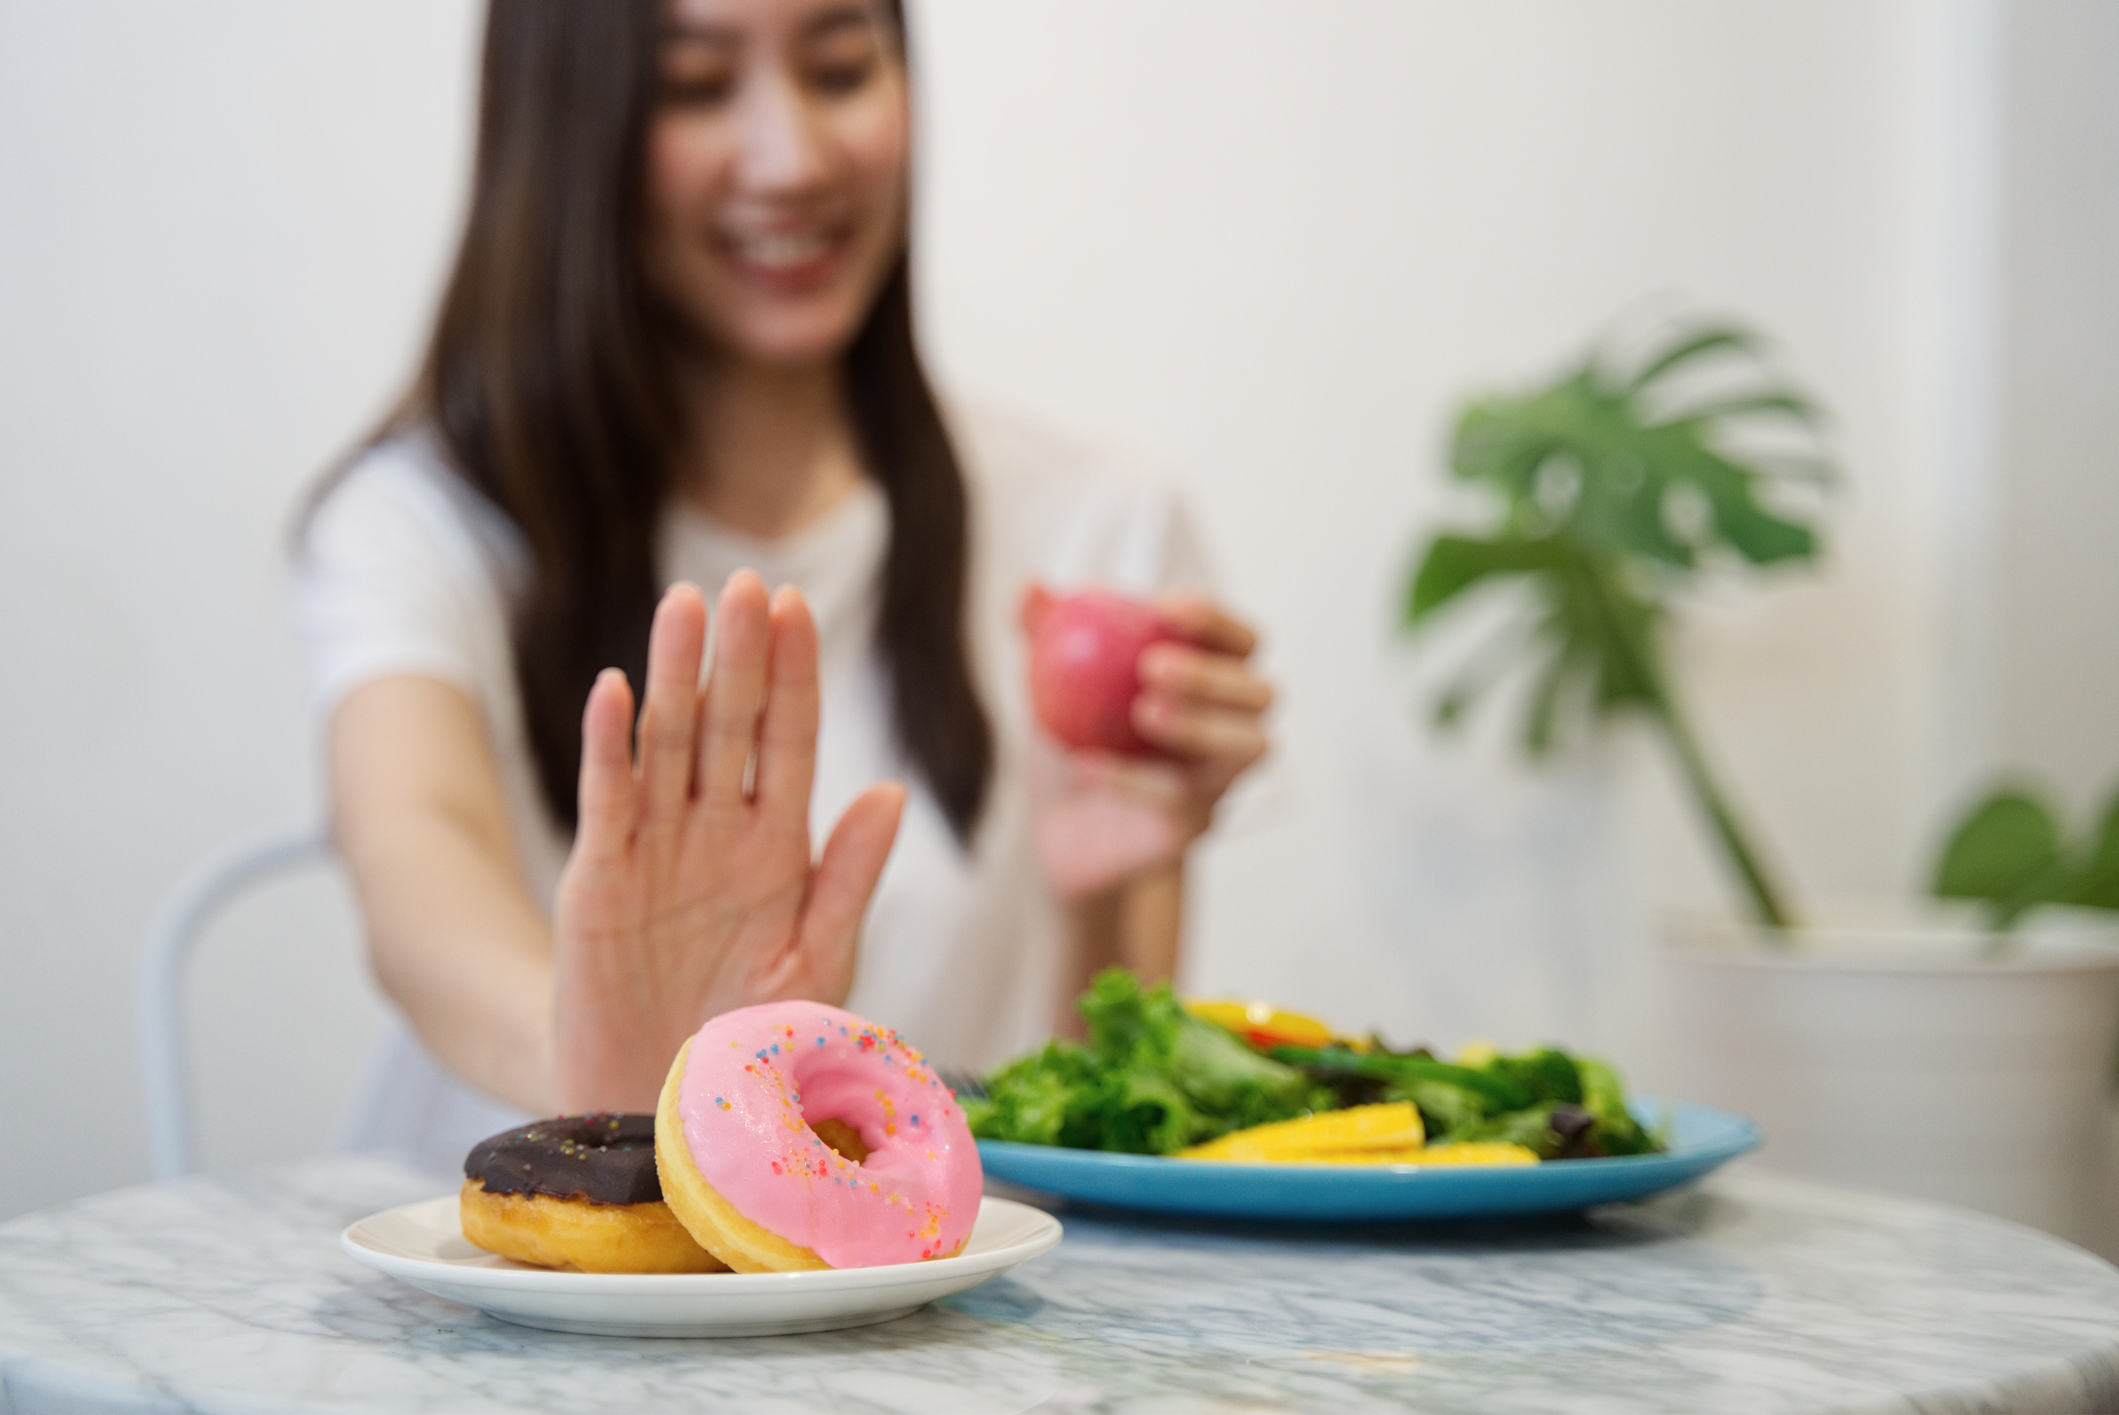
746 1171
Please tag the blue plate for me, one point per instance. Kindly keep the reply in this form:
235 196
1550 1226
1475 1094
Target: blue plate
1701 1139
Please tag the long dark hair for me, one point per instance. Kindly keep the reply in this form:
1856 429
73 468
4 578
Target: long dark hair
547 382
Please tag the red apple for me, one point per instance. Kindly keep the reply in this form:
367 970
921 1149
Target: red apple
1085 665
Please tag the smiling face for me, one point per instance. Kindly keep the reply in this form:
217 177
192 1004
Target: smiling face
776 172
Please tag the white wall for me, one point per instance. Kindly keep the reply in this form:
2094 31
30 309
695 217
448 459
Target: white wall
2056 655
1270 248
220 227
1262 244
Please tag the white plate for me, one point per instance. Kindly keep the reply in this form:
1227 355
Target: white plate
424 1245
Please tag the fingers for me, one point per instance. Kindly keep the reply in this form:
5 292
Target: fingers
787 738
1036 600
1203 677
608 794
669 720
1202 705
736 689
1205 623
852 863
1232 740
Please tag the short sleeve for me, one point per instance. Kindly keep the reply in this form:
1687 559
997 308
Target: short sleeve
1066 514
391 578
1130 530
1183 561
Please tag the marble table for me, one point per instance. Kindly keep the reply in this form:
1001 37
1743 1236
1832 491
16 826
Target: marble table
1750 1293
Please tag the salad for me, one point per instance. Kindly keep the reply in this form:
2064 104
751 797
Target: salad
1245 1083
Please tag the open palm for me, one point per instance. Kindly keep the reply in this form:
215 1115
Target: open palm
691 888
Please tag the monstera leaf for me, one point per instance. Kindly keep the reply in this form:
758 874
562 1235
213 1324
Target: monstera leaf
2009 851
1612 492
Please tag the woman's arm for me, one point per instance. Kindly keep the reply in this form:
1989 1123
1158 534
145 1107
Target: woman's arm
1150 923
1112 832
453 934
1138 925
690 889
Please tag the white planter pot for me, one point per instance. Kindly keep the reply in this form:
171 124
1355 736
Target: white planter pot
1900 1049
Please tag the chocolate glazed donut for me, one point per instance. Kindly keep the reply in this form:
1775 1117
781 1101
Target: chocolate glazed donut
578 1192
607 1159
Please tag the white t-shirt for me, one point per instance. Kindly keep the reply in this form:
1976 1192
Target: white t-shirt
407 570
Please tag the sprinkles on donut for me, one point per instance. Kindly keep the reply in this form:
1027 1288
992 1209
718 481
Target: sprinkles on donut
795 1135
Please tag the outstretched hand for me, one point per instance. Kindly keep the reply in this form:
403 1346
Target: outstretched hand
691 888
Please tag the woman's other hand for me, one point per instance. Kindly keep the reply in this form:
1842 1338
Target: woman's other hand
1104 820
691 888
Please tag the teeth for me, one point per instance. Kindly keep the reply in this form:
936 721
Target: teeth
780 250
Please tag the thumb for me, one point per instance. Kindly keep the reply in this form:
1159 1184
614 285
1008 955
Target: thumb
1031 611
853 861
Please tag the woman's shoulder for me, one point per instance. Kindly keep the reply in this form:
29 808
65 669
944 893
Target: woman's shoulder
401 497
402 569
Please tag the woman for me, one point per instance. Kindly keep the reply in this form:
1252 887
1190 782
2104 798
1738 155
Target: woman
677 346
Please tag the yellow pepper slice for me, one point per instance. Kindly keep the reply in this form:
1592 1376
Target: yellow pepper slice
1262 1024
1392 1126
1468 1152
1476 1053
1463 1154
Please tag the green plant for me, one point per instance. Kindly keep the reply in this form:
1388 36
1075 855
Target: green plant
2008 851
1613 490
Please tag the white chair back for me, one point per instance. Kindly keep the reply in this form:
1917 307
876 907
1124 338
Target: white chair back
205 892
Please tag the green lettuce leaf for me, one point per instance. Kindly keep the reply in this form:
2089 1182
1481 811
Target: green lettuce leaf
1152 1080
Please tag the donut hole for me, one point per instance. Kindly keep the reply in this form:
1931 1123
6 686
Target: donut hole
841 1137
